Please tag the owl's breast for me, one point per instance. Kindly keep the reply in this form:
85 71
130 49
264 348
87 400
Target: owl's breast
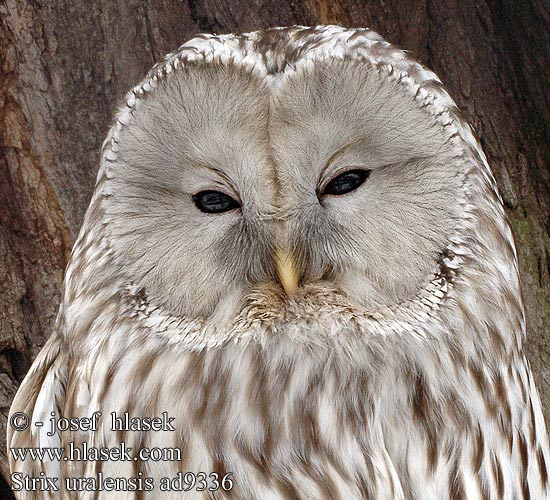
288 417
311 409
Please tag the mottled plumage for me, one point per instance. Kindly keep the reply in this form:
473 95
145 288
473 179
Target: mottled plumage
395 371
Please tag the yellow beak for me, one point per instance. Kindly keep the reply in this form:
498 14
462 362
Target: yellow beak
287 271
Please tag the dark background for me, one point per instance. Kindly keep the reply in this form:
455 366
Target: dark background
64 65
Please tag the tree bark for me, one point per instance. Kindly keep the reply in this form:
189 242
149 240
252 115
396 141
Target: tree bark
65 64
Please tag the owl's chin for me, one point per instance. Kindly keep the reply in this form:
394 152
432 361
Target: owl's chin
268 304
265 312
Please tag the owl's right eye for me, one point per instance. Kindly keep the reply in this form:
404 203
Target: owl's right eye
214 202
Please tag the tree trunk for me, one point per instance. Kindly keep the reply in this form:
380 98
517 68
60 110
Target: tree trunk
66 63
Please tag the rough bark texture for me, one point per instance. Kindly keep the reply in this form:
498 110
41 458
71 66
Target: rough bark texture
66 63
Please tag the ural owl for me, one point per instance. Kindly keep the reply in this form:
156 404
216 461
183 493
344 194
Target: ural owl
295 250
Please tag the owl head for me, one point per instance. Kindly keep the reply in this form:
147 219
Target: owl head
294 160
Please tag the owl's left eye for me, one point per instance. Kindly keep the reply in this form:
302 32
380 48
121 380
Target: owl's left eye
346 182
214 202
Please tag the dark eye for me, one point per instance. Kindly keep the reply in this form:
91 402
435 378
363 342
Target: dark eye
346 182
214 202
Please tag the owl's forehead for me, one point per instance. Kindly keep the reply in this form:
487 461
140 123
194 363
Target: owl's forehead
277 105
254 99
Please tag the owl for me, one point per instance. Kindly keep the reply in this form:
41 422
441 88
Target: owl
295 280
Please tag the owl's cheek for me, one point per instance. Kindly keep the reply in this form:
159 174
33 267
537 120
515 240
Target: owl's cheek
362 290
229 305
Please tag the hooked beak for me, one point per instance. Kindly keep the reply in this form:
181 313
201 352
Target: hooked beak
287 271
